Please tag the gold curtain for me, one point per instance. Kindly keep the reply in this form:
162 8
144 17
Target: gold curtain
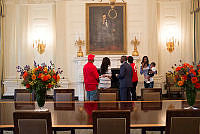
197 36
1 46
195 10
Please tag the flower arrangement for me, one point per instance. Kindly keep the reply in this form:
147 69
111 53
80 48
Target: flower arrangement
40 76
39 79
186 75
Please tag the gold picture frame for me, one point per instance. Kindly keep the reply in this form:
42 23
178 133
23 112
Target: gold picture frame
106 31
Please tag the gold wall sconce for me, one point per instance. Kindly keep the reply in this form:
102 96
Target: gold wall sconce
79 43
39 45
135 43
170 44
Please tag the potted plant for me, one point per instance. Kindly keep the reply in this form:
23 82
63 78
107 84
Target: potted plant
39 79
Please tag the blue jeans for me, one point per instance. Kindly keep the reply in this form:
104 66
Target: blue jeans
92 95
151 84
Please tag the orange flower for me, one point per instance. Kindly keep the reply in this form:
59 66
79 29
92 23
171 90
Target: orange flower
194 80
33 77
25 74
45 70
35 69
58 78
49 76
199 71
180 83
186 65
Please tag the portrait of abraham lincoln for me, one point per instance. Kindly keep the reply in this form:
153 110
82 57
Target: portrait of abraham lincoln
106 28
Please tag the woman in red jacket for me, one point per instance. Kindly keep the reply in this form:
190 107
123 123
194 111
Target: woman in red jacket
91 78
134 79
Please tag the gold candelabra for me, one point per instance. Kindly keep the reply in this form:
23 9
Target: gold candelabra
135 42
112 3
40 45
79 43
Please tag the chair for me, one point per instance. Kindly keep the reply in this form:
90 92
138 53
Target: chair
63 95
109 94
60 97
111 122
23 95
24 99
32 123
182 121
151 94
171 87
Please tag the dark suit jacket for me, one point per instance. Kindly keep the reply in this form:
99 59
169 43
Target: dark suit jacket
125 76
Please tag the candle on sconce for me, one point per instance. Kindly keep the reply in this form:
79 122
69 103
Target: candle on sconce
77 36
139 36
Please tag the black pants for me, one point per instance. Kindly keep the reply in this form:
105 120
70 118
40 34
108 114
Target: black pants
133 91
146 85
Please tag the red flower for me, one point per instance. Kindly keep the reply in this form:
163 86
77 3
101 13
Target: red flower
192 70
184 77
178 68
197 85
194 80
25 75
40 75
28 85
40 68
49 86
55 77
194 73
191 66
45 78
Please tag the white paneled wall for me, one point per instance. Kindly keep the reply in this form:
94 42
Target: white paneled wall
170 18
65 19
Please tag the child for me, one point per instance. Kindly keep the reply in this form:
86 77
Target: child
151 73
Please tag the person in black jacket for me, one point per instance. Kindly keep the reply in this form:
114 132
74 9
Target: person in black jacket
125 79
